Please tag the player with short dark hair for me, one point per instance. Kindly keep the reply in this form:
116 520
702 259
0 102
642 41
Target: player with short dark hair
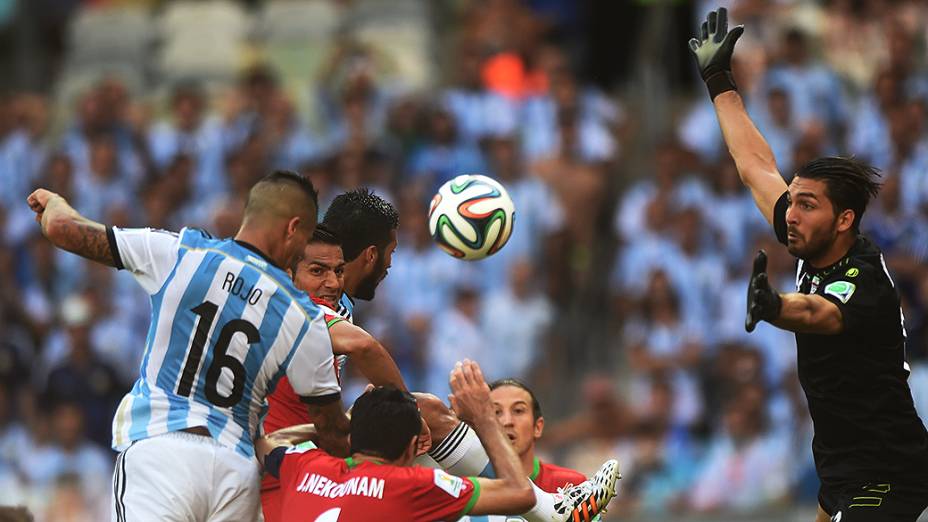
321 275
366 224
227 324
380 482
870 447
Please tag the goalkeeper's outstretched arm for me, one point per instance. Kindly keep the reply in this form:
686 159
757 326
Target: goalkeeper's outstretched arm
753 157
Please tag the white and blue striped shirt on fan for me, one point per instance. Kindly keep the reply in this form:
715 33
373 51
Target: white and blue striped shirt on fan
226 324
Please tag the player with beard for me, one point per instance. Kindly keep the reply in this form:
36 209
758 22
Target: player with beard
321 275
366 225
324 274
870 447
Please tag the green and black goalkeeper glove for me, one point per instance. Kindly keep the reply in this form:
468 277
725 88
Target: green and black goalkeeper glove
713 51
764 302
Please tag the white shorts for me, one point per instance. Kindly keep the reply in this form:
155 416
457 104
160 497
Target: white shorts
184 477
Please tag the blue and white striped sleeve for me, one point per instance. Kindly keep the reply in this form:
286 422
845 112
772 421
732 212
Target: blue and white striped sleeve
312 369
149 254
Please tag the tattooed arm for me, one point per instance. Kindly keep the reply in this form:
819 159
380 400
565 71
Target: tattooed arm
69 230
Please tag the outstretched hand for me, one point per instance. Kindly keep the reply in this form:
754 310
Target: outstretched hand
470 394
713 50
764 302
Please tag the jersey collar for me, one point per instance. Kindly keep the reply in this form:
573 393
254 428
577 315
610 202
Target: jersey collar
536 469
256 250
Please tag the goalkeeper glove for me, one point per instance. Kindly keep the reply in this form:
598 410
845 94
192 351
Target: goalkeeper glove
764 303
713 52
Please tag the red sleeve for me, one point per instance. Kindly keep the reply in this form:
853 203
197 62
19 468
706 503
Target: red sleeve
437 495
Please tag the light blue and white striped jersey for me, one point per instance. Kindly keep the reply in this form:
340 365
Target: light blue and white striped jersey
226 324
346 308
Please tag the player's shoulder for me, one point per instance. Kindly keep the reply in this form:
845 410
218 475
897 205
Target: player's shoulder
863 264
194 236
552 476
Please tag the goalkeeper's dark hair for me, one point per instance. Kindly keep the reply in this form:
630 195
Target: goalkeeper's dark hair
361 219
516 383
383 421
849 183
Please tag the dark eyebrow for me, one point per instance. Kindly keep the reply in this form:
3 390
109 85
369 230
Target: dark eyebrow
807 195
324 265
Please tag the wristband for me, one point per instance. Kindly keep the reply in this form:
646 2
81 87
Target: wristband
720 82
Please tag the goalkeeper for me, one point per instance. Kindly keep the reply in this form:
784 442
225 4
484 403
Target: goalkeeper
870 447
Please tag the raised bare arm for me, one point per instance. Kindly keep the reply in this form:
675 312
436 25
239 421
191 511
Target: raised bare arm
69 230
753 157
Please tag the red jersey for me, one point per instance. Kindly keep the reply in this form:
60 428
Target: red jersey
285 409
549 477
317 486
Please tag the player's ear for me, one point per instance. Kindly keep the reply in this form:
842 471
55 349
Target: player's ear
410 454
370 255
846 220
539 427
293 225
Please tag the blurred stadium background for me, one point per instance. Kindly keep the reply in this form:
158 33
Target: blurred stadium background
621 294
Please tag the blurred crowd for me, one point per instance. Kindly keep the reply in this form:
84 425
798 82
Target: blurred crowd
620 295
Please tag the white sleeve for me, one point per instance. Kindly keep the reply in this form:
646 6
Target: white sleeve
149 254
312 369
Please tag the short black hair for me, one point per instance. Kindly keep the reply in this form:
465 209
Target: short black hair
536 406
361 219
325 236
288 176
849 183
383 421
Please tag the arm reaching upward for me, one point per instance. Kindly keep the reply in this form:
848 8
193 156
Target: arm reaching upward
511 492
753 157
69 230
755 162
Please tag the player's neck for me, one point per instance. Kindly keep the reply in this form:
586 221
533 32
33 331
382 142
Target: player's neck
528 462
359 458
841 246
353 276
259 238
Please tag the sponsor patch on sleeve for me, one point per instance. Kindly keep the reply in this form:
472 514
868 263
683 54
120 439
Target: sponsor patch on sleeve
303 447
843 290
449 483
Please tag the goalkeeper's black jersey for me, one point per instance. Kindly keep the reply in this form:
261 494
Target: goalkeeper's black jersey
866 427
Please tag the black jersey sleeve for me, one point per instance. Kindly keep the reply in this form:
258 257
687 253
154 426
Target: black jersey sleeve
779 217
863 296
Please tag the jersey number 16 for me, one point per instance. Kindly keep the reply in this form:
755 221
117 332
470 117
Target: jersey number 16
207 312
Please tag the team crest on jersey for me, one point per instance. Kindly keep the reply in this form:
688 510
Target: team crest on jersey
843 290
816 280
448 483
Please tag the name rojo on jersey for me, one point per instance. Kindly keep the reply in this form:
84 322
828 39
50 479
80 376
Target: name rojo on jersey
226 324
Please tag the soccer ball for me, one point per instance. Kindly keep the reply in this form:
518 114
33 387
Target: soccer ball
471 217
